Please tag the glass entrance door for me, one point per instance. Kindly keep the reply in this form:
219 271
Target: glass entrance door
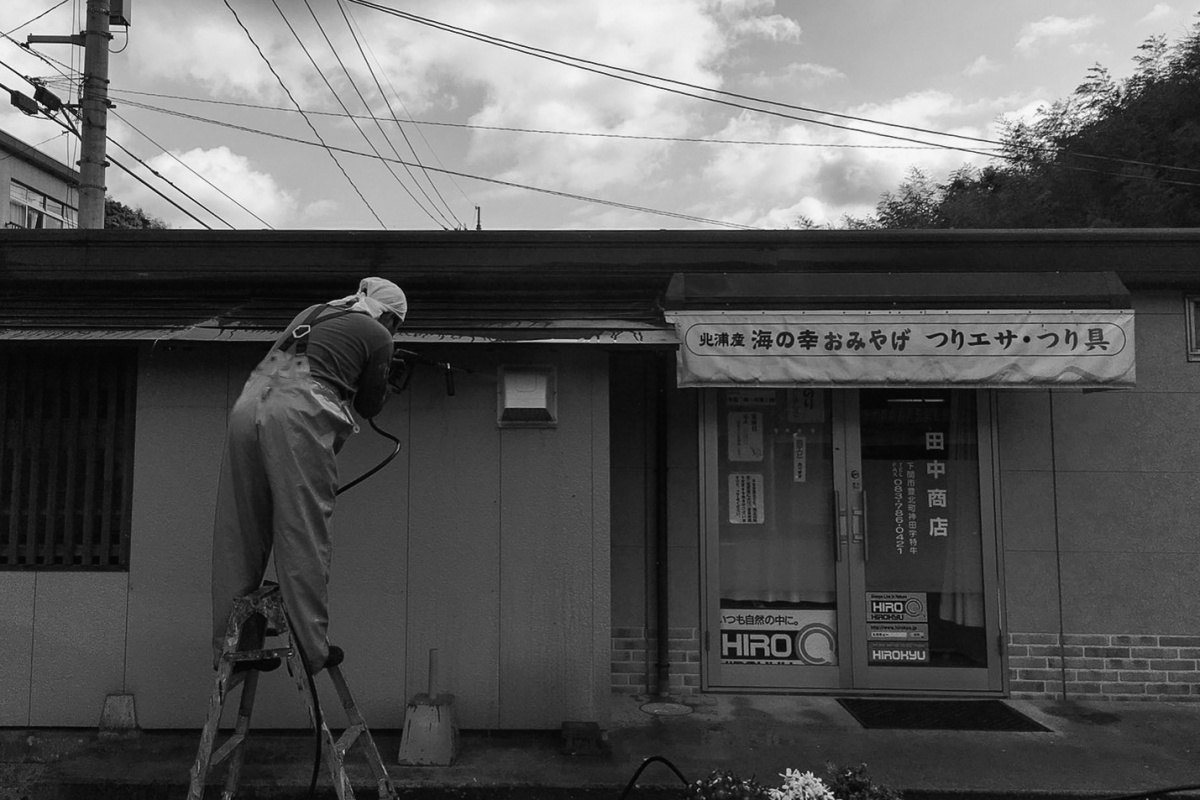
849 543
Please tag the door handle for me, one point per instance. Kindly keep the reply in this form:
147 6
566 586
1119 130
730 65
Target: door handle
866 537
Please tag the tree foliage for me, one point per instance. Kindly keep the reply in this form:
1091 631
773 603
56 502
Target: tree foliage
1113 154
119 215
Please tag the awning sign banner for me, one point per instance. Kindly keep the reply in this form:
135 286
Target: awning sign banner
1082 348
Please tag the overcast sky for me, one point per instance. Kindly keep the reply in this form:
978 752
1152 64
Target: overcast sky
591 150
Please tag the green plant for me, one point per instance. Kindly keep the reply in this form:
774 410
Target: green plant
853 783
725 785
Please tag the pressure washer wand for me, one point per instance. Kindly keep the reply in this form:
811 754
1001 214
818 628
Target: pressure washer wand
401 370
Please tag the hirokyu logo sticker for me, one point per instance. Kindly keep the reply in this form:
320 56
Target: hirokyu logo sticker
896 607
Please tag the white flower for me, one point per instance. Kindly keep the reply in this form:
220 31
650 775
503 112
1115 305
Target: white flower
801 786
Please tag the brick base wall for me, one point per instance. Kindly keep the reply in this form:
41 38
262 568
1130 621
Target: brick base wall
1105 666
1096 666
635 658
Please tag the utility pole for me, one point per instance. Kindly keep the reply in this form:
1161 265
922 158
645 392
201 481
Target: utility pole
94 109
94 137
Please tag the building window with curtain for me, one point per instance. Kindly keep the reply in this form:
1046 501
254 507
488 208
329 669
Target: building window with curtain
29 208
66 456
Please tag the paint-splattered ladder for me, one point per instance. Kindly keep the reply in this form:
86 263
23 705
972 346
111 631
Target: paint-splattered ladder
266 606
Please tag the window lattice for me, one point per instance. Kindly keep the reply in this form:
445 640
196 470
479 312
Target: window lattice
66 453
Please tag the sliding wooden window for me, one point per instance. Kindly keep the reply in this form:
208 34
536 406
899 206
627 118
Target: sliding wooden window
66 455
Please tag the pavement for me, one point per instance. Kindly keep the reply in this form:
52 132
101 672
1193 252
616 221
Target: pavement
1090 750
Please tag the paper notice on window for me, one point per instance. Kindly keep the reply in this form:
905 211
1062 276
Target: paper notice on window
746 505
799 458
806 405
745 436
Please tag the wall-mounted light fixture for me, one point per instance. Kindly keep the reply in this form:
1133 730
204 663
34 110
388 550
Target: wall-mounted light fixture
526 397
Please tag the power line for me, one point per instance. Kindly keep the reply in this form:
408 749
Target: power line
338 98
546 131
399 127
185 165
599 69
362 36
156 174
511 184
137 177
143 181
168 181
312 127
29 147
39 16
58 65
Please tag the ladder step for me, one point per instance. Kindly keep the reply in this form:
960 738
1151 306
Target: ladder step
257 655
234 740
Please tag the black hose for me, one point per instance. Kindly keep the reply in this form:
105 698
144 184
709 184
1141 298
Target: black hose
380 465
318 718
646 763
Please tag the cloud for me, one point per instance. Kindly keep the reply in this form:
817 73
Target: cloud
1160 12
1052 29
254 190
518 91
980 66
794 76
751 19
828 173
775 28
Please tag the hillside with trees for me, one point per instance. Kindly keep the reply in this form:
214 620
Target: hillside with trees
1114 154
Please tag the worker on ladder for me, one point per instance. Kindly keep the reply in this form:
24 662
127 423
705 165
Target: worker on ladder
279 476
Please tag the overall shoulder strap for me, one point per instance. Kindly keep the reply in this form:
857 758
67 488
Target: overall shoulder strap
298 338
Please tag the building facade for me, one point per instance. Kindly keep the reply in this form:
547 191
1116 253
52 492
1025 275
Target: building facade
42 192
944 463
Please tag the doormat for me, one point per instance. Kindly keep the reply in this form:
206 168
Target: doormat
939 715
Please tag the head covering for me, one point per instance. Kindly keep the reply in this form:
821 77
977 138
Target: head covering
376 296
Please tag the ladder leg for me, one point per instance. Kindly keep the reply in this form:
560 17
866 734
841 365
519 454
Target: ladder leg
329 748
243 609
240 732
208 735
358 731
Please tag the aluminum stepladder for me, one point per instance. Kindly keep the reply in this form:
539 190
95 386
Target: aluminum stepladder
266 605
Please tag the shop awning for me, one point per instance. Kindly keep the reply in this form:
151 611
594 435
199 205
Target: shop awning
916 329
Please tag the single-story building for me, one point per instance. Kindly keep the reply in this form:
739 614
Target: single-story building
904 463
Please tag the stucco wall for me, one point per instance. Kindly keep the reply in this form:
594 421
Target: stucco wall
490 545
1103 571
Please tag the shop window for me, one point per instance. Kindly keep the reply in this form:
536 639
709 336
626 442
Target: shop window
29 208
66 456
1193 327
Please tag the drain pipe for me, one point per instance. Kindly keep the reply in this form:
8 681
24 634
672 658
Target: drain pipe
662 365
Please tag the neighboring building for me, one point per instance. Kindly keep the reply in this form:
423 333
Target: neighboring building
42 193
927 463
